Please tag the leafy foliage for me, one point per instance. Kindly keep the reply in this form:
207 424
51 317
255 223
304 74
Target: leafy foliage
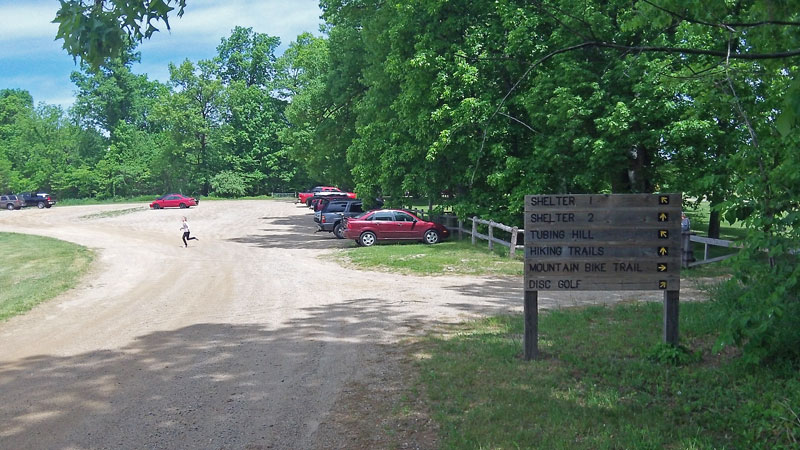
96 30
228 184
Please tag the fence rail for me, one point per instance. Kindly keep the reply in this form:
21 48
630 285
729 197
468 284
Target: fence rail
454 224
284 194
688 255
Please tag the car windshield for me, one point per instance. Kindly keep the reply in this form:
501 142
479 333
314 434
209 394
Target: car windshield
361 216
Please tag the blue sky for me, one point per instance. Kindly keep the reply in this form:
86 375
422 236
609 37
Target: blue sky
31 59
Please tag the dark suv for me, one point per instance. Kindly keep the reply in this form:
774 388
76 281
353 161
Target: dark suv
331 214
10 202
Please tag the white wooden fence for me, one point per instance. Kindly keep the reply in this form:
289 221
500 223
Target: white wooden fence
688 259
454 224
284 194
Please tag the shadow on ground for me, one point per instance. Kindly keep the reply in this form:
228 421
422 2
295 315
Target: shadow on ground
497 295
203 386
292 232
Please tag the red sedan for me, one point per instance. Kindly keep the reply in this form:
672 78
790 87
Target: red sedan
392 225
174 201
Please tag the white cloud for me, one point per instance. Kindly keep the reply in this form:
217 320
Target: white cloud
30 58
205 23
27 20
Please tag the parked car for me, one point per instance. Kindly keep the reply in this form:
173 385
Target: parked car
305 197
38 199
165 195
174 201
315 202
10 202
394 225
332 213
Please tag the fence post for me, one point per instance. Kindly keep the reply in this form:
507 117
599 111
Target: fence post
460 229
687 255
512 250
474 228
491 236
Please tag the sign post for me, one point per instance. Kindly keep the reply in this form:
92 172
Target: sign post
602 242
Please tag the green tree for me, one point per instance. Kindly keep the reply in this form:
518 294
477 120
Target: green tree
252 115
111 93
127 166
192 116
320 113
247 57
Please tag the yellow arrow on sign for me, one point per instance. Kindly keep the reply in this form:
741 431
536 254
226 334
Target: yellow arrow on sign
663 251
663 234
662 217
663 200
662 267
662 284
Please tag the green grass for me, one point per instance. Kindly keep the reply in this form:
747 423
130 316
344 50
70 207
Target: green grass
35 269
699 216
451 257
114 213
106 201
600 387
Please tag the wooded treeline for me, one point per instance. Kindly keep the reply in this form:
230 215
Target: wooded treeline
487 101
214 127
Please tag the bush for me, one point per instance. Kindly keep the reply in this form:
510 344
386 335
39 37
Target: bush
762 304
228 184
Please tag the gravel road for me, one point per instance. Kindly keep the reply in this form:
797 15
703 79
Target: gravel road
245 339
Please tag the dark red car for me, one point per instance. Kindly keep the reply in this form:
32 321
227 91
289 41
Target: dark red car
392 225
174 201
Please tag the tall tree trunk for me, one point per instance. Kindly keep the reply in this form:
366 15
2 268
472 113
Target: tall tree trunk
713 224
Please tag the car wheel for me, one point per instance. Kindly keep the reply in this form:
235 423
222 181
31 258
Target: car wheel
308 203
40 205
156 206
338 230
182 205
9 207
431 237
367 239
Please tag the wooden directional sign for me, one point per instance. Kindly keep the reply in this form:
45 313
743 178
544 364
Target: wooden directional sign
602 242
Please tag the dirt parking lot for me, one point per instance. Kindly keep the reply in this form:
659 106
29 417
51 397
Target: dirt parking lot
245 339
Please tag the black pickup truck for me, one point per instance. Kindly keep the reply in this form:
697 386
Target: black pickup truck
37 199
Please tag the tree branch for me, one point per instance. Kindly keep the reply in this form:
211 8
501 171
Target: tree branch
726 25
519 122
694 51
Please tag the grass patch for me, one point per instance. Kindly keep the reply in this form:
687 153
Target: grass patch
114 213
36 269
606 382
106 201
451 257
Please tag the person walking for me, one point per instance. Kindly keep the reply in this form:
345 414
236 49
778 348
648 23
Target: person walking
185 229
686 224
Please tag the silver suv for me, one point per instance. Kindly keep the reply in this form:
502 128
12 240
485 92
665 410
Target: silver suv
10 202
